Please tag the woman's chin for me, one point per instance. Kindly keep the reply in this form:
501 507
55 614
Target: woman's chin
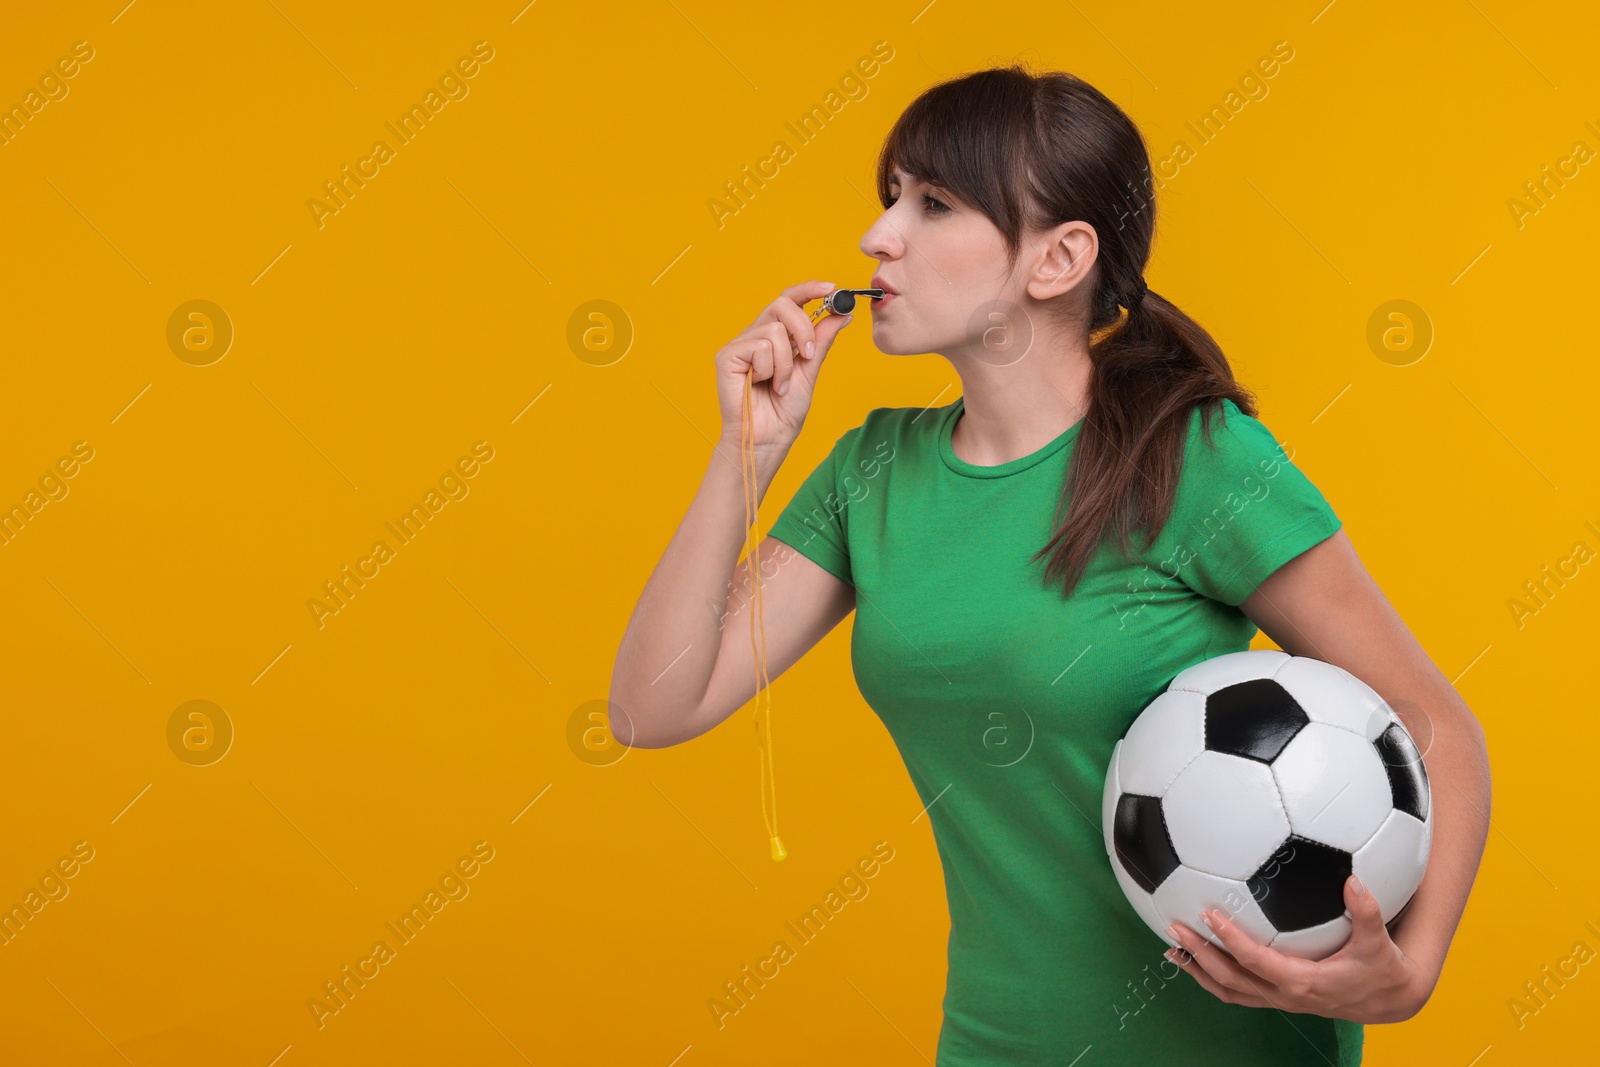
884 339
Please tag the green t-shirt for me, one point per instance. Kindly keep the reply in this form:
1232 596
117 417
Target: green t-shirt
1005 699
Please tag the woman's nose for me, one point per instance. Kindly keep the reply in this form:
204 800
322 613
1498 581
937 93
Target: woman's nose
882 241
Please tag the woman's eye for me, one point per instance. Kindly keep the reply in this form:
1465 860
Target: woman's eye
932 205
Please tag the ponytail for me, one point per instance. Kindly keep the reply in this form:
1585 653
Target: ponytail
1147 374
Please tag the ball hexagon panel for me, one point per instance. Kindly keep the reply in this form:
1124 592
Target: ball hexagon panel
1408 780
1162 741
1212 674
1224 815
1182 897
1333 785
1391 864
1333 695
1301 884
1255 719
1315 942
1139 834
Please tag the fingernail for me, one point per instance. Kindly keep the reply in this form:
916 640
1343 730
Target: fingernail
811 349
1172 955
1172 932
784 388
830 286
849 318
1205 917
1361 890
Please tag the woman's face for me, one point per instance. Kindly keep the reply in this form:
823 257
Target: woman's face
944 261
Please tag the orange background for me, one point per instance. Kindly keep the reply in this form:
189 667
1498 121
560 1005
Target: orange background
436 710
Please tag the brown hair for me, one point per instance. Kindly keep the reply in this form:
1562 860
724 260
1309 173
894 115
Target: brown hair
1032 151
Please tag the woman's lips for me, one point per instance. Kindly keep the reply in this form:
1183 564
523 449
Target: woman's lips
887 296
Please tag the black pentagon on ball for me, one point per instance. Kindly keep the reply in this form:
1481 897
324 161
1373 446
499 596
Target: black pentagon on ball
1139 832
1301 884
1408 778
1254 719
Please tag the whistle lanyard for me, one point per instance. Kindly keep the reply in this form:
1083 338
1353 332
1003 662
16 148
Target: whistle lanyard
763 697
838 302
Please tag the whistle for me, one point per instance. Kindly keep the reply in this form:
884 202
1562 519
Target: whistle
843 301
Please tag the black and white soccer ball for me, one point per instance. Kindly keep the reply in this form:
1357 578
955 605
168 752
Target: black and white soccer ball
1255 785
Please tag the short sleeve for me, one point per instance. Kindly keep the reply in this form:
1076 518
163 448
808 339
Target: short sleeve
1243 509
813 523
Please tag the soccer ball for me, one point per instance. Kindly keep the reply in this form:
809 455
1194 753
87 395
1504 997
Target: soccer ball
1255 785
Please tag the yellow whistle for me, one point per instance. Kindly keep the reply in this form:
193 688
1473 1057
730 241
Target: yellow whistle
778 851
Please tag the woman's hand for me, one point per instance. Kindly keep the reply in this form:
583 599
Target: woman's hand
1369 980
786 350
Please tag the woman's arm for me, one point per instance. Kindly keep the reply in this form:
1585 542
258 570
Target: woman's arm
671 680
685 662
1323 604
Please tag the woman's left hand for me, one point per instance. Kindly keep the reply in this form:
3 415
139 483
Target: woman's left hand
1369 980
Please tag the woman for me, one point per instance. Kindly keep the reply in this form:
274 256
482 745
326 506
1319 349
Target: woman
1009 629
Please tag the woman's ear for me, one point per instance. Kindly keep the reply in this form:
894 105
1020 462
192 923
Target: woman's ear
1066 257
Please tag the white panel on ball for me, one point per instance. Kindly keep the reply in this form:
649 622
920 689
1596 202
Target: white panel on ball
1315 942
1162 741
1392 863
1333 785
1187 892
1224 815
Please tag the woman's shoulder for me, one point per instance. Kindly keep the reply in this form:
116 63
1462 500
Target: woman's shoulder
1242 508
1226 443
1221 423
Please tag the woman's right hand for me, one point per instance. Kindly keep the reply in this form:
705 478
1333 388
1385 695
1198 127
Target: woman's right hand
786 349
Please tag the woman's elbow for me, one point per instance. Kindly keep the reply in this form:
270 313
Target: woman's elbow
640 729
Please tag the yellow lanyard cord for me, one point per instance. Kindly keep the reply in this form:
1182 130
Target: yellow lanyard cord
752 522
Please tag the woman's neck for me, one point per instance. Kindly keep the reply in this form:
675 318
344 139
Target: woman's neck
1013 411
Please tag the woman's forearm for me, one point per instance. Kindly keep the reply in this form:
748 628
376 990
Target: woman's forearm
665 660
1457 762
